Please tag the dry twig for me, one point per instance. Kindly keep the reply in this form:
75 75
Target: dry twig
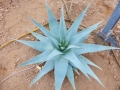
70 9
67 12
117 61
14 73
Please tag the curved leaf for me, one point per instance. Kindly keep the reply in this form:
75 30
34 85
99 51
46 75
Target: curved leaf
53 24
39 36
86 48
43 29
37 45
70 76
37 59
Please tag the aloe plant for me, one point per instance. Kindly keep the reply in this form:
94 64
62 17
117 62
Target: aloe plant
62 49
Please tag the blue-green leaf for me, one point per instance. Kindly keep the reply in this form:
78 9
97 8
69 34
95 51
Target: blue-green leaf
54 42
60 38
75 39
43 29
37 45
85 48
53 24
39 36
54 53
62 25
73 29
37 59
49 65
89 62
60 72
89 71
74 67
71 47
70 76
76 70
83 39
74 60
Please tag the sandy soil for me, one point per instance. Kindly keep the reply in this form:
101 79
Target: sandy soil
14 22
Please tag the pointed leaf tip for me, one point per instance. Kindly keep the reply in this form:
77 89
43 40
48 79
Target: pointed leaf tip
49 65
100 22
63 29
53 24
70 76
89 70
74 27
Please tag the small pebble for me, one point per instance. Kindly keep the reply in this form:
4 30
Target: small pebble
38 67
1 9
114 76
118 27
28 37
76 77
38 83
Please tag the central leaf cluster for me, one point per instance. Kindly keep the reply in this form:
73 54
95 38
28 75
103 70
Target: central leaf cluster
62 46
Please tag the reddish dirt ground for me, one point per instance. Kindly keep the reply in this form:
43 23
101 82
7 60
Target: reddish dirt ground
14 22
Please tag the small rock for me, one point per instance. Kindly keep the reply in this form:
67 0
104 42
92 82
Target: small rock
115 77
28 37
1 9
38 83
1 16
118 27
38 67
76 77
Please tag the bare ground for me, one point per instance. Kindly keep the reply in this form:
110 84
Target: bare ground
14 22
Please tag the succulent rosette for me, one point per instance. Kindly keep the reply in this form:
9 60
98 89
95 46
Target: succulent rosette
62 49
